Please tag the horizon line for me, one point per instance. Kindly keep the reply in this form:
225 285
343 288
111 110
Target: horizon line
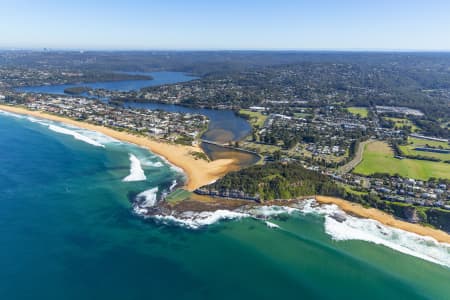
94 49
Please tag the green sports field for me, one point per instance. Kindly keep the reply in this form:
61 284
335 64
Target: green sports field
399 123
255 118
378 157
415 142
361 111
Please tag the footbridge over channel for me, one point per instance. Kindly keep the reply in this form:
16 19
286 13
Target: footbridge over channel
227 145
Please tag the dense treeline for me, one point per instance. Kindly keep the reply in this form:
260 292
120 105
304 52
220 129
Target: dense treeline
429 126
276 181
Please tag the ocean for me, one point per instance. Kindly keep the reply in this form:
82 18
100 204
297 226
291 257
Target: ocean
69 232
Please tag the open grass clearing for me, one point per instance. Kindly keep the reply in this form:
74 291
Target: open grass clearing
378 157
363 112
399 123
256 119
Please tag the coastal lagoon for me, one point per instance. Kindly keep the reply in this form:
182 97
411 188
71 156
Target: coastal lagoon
224 125
69 232
159 78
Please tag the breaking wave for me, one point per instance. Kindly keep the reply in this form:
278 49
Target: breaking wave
195 220
173 185
148 162
147 198
136 171
9 114
157 164
75 134
88 136
372 231
337 224
272 225
341 227
172 166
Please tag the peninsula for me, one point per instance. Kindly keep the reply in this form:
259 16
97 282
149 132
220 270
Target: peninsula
201 173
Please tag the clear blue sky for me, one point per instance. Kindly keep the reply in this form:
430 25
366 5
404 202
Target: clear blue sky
227 24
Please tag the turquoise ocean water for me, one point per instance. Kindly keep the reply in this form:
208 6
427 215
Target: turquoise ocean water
68 232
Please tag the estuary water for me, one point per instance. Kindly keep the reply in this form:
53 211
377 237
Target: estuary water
224 125
159 78
68 232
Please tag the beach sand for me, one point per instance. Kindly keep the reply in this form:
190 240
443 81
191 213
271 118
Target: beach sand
384 218
199 172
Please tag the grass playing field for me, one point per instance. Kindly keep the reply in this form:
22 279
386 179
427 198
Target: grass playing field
361 111
415 142
401 122
378 157
256 118
422 143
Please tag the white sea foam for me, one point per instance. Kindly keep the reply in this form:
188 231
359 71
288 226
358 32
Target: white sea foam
95 135
173 185
35 120
136 171
149 163
195 220
175 168
353 228
9 114
270 211
348 228
147 198
272 225
172 166
75 134
89 136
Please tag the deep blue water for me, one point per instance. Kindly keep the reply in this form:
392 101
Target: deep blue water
68 232
159 78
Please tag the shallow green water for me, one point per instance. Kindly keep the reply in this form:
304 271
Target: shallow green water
68 232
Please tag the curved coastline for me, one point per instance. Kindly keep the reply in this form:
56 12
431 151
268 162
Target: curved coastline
384 218
198 172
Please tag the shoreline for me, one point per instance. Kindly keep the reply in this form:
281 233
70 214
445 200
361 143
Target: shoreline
198 172
384 218
200 203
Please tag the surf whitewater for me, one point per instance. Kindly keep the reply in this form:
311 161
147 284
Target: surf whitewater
87 136
337 224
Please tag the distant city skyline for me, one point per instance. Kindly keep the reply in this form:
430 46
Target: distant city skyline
351 25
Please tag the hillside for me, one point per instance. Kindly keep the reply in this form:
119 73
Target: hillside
274 181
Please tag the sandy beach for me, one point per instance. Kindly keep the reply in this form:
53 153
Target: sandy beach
199 172
384 218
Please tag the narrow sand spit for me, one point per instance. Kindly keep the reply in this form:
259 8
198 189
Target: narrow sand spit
199 172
